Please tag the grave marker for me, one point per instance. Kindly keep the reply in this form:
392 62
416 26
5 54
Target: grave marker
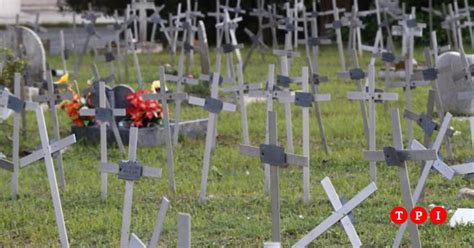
214 106
105 115
129 170
276 157
397 156
305 100
164 97
51 98
45 152
342 210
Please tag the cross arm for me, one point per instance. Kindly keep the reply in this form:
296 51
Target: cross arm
93 112
438 164
178 96
212 104
396 157
377 96
246 87
183 79
463 169
53 148
147 171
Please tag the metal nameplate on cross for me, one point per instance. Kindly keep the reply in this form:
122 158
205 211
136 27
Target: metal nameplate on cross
340 214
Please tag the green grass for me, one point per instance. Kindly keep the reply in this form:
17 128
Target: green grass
237 213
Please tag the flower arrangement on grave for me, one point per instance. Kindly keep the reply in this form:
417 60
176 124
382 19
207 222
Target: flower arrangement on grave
139 113
143 113
73 105
11 65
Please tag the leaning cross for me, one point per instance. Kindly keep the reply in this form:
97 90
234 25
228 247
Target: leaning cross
214 106
276 157
18 106
46 152
437 164
305 100
51 98
397 156
129 170
241 90
136 242
337 25
342 210
104 115
142 6
164 97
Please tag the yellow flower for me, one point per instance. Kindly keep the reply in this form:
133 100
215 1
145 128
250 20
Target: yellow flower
155 86
64 79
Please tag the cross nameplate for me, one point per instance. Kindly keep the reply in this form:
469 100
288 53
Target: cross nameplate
357 74
430 74
304 99
411 23
284 81
228 48
388 57
109 57
16 104
104 114
130 170
272 154
213 105
337 24
317 79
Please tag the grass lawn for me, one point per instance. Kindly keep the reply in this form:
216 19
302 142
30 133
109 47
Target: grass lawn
237 213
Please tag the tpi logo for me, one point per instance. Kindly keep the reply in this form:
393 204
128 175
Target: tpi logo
418 215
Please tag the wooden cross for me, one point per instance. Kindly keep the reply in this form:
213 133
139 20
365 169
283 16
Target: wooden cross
181 79
129 170
305 100
214 106
136 242
355 24
47 150
284 80
164 97
289 24
431 12
451 24
204 49
336 25
437 164
467 10
372 96
17 105
274 155
109 102
228 27
156 19
257 43
132 47
51 98
342 210
242 89
270 93
312 43
36 25
104 115
409 28
218 15
142 6
272 23
91 31
397 156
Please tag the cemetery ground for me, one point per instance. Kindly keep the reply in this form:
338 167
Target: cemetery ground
237 213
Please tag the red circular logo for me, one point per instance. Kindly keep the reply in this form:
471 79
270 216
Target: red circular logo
418 215
398 215
438 215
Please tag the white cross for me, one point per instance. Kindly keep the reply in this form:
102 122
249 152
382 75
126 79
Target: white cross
276 157
340 215
214 106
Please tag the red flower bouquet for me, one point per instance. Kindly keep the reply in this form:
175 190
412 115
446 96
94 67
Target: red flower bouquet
143 113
